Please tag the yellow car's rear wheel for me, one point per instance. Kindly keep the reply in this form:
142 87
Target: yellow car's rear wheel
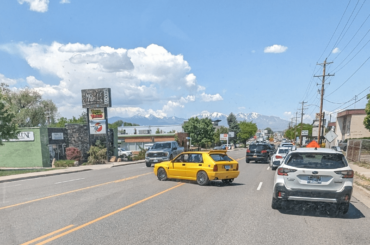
161 174
202 178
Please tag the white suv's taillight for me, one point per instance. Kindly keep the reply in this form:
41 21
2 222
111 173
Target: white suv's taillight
345 173
285 171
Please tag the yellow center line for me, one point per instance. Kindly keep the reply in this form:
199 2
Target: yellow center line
49 234
68 192
107 215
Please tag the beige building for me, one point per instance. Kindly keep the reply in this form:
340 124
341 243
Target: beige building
350 124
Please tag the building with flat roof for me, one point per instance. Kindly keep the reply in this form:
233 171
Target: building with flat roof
133 137
350 124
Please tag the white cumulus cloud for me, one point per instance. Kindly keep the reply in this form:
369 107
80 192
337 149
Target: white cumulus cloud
287 113
336 50
209 97
7 80
37 5
275 49
64 1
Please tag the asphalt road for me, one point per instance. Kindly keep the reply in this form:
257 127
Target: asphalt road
128 205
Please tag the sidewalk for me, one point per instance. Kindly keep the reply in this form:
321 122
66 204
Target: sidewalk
359 192
65 171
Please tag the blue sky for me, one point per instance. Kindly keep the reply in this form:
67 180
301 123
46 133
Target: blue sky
172 58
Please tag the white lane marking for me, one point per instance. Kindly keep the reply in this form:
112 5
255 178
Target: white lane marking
68 181
259 186
268 168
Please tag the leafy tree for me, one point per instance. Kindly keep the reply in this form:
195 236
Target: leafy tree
116 124
8 129
220 130
233 126
290 133
247 130
367 118
201 131
269 131
157 132
29 108
130 124
62 121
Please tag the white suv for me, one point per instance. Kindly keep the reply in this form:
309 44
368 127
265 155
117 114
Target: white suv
313 175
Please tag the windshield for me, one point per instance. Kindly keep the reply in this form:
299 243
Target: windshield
316 160
283 151
258 147
161 146
220 157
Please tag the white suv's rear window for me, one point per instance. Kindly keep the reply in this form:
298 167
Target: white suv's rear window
316 160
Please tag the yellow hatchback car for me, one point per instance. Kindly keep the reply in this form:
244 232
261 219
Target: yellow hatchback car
199 166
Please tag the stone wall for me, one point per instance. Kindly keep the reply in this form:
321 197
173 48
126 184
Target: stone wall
78 136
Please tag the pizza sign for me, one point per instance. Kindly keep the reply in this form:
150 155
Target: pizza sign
96 114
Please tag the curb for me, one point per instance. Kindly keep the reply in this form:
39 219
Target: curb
364 197
40 176
131 163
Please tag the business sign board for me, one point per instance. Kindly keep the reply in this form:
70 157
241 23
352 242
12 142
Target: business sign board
57 136
96 114
231 134
223 136
98 127
330 136
305 132
24 136
316 123
315 132
96 98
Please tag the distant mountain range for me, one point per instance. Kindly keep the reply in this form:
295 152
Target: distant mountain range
262 121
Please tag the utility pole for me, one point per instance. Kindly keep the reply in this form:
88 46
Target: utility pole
322 95
300 137
295 128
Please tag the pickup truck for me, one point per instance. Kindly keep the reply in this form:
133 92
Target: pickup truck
162 151
124 153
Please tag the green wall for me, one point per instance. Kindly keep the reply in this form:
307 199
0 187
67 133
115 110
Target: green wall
28 153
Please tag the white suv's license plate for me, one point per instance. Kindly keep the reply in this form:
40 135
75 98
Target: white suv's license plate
227 166
155 160
314 180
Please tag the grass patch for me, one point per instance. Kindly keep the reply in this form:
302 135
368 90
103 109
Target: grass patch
362 164
362 181
64 163
23 171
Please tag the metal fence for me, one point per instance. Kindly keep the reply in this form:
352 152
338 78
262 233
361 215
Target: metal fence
358 151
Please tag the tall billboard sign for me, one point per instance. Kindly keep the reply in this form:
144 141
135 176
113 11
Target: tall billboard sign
96 102
96 98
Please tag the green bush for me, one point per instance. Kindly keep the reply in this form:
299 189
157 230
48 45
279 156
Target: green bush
97 155
64 163
141 155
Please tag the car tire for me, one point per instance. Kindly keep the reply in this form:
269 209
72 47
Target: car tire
148 164
273 168
161 174
275 204
247 161
202 178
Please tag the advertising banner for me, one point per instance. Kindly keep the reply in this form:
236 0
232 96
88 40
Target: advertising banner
97 127
305 132
96 114
223 136
96 98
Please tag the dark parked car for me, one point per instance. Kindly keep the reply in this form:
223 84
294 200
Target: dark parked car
259 152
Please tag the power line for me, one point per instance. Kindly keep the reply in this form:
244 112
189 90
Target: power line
355 96
350 104
349 77
344 28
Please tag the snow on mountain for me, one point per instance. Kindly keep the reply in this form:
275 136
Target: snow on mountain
262 121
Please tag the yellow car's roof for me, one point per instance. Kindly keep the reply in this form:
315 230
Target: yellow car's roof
209 152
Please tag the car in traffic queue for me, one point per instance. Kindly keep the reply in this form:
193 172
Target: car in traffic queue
259 152
313 175
277 158
199 166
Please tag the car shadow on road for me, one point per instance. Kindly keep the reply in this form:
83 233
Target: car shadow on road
210 184
353 212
